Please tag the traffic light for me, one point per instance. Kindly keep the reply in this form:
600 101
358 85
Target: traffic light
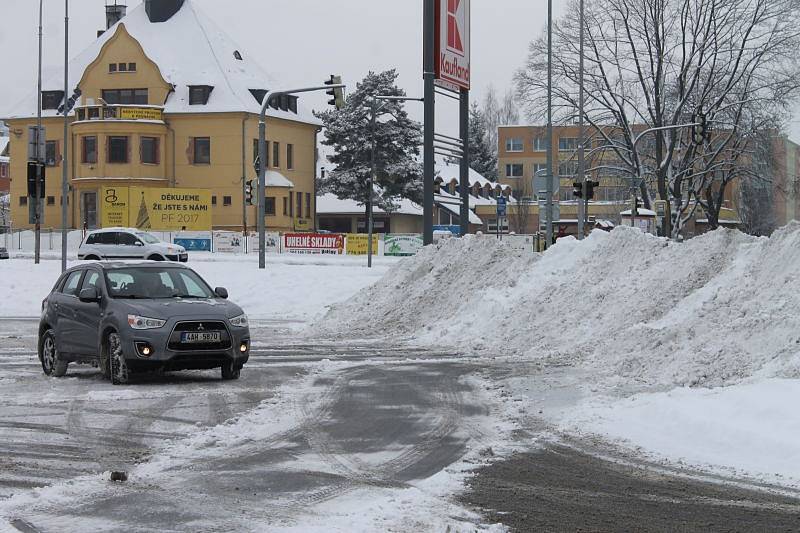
577 189
336 92
32 166
590 187
248 191
257 165
437 187
701 129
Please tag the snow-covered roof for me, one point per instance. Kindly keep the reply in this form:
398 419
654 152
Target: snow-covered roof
642 212
189 49
276 179
3 144
451 171
329 204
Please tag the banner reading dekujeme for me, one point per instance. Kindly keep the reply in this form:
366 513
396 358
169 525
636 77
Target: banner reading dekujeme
113 207
398 244
356 244
170 209
313 243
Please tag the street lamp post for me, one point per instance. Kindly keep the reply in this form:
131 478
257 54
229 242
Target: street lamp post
37 212
64 185
549 199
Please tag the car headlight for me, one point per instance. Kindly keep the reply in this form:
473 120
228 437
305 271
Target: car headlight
240 321
142 322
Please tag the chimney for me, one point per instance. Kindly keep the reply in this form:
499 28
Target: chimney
162 10
114 13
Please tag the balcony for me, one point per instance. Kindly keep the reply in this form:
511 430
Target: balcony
119 112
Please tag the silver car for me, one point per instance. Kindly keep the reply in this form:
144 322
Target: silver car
129 317
129 243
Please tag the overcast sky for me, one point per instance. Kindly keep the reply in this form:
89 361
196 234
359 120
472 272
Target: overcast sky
298 41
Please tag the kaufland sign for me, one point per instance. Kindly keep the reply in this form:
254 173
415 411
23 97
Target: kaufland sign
452 42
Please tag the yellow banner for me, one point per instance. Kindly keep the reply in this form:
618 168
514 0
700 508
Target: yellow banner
170 209
357 244
140 113
113 207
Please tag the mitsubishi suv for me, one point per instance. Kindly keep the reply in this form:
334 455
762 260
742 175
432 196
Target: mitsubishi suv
139 316
129 243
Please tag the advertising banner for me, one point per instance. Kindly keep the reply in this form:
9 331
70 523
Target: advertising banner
228 242
356 244
400 245
272 242
140 113
313 243
453 42
170 209
113 207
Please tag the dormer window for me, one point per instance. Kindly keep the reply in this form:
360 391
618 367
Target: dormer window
198 94
259 95
52 99
237 55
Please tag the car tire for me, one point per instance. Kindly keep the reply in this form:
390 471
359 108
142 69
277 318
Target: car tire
231 370
155 258
48 354
118 367
91 258
104 363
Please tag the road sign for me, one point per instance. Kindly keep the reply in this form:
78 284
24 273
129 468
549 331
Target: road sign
502 206
453 42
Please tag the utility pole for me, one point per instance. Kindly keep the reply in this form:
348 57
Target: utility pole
64 184
583 205
371 181
429 61
549 188
39 156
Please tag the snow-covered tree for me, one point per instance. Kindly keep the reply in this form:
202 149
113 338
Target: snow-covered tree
482 156
397 139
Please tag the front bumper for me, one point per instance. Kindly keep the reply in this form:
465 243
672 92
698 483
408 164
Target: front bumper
165 350
183 258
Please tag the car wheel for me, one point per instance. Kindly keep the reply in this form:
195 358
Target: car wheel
231 370
48 353
91 258
105 361
155 258
119 368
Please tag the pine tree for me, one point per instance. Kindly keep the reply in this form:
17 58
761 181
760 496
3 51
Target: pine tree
398 139
482 158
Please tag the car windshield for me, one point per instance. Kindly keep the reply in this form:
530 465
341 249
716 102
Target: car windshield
146 283
149 239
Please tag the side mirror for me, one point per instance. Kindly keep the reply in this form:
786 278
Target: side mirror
138 243
89 295
222 292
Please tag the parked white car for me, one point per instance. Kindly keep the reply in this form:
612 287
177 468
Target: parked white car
128 243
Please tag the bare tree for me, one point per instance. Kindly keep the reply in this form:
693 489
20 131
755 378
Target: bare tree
496 113
659 63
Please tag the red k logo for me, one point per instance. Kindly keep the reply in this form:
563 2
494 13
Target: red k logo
455 24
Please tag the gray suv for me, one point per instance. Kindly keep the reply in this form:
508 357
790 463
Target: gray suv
128 317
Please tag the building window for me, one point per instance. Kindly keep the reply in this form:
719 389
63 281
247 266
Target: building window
125 96
255 150
540 144
51 154
285 207
291 205
149 150
514 170
123 67
299 205
131 67
514 145
276 154
112 67
89 150
226 201
308 205
198 94
51 200
118 150
52 99
566 144
3 171
290 156
23 201
213 200
567 169
269 206
202 151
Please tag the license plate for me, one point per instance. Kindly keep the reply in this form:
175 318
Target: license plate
201 336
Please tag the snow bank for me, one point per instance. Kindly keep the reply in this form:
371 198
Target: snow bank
631 306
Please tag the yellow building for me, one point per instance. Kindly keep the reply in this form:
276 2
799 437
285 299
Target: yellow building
164 99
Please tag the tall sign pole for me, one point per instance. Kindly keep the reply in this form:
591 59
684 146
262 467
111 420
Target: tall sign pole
64 185
549 188
583 203
428 75
463 183
39 156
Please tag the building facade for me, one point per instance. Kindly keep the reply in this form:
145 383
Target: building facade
165 100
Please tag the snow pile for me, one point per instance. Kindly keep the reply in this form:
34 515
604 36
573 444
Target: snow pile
710 311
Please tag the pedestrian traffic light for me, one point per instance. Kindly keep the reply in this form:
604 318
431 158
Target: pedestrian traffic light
336 92
248 192
577 189
590 187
